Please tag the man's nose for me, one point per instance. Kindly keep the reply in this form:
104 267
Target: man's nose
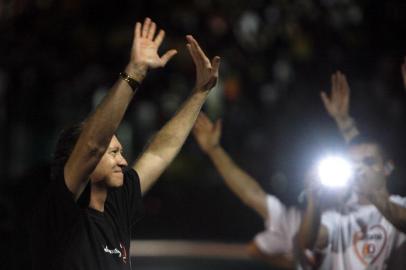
122 161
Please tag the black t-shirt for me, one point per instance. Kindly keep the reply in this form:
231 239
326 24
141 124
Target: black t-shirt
68 236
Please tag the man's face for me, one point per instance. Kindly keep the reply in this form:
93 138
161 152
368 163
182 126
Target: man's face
111 165
369 167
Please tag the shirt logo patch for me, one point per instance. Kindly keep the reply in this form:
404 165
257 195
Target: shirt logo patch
369 244
122 253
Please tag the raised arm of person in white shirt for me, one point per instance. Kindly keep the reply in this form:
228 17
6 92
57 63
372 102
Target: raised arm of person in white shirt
338 106
244 186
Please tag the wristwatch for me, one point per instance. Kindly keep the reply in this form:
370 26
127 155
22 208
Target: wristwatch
134 84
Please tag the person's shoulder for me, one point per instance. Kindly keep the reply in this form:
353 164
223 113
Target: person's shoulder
271 199
55 188
56 205
398 199
131 185
280 214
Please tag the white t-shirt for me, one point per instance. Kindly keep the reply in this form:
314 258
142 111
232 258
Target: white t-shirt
280 227
361 238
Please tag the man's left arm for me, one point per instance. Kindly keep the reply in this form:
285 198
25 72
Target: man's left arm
372 185
392 211
167 142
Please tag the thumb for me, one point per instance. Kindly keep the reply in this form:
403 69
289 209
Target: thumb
167 56
218 125
215 64
325 99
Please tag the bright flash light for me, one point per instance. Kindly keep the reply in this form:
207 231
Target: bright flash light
334 172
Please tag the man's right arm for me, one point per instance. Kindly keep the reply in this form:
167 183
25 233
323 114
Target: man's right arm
312 234
338 104
100 127
242 184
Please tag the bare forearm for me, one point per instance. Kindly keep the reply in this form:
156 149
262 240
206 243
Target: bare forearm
242 184
393 212
104 121
96 134
347 127
168 141
310 226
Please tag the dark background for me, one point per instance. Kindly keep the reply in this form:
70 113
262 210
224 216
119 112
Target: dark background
57 58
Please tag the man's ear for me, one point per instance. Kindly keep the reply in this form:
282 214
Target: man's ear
389 167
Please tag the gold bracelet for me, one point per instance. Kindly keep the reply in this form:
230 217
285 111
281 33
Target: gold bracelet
134 84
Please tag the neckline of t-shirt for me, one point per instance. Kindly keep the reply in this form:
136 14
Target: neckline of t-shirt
95 212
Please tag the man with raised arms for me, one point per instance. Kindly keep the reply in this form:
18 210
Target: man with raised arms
85 217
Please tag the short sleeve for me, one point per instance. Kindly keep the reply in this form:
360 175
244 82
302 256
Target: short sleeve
276 210
398 200
401 238
281 226
272 243
57 208
56 216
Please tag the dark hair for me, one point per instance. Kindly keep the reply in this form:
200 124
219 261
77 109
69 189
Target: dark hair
66 142
363 139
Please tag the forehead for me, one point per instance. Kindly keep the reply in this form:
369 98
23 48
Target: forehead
360 151
115 142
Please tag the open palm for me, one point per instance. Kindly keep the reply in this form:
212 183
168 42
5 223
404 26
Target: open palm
145 46
207 71
337 104
206 133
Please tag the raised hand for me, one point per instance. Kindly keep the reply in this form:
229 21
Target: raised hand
144 52
206 133
206 71
337 104
404 73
